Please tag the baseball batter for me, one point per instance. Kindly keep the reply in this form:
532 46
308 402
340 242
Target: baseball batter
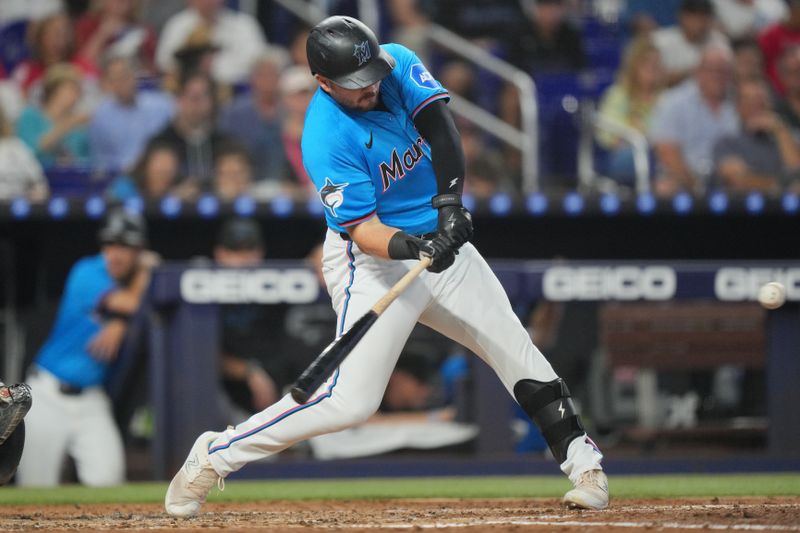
385 156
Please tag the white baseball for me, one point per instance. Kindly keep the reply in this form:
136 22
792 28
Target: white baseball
772 295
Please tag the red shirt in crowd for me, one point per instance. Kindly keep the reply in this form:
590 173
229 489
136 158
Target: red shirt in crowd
88 24
30 71
773 41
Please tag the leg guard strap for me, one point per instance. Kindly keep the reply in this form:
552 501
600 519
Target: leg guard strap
550 406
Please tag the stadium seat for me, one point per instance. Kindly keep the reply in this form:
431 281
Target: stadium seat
75 181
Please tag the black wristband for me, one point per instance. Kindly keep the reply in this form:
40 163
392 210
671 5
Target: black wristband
442 200
109 315
404 246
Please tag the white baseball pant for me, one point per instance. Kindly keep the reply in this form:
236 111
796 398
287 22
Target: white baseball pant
80 425
466 303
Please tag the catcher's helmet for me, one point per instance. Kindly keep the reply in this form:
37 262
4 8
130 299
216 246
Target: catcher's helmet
123 227
346 51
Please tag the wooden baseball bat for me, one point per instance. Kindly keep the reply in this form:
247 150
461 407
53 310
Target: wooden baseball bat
336 352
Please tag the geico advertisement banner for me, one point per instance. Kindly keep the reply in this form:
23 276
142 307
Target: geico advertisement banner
563 283
662 282
263 286
735 284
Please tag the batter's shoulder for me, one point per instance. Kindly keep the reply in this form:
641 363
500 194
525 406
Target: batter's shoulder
398 51
326 125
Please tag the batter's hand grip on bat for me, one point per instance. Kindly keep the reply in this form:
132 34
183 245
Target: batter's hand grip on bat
330 358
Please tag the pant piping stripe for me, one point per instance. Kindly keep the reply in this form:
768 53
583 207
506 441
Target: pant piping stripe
352 267
280 417
327 394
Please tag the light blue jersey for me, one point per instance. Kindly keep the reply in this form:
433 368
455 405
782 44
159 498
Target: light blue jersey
64 354
375 162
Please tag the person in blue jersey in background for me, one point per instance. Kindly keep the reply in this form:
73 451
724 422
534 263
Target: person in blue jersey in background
386 158
72 414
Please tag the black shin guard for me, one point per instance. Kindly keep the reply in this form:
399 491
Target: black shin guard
550 406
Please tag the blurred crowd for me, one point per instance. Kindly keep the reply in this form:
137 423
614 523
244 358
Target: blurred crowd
145 98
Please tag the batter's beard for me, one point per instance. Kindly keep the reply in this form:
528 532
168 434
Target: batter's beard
366 103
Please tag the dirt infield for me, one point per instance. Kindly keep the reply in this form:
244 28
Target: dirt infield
750 514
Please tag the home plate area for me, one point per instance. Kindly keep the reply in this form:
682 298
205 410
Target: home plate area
749 514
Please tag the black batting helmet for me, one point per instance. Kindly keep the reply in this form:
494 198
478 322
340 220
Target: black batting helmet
123 227
346 51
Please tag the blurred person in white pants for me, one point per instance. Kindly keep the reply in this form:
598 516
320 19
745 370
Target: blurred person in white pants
72 414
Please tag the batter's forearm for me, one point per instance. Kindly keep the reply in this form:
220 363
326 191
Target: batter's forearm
372 237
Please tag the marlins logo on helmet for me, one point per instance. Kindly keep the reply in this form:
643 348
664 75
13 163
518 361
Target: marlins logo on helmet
331 195
362 52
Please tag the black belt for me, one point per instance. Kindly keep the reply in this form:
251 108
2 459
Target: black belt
69 390
63 387
425 236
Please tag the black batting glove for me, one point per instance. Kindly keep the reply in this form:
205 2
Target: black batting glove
441 250
455 222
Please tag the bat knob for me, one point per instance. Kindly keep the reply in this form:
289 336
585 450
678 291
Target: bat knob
299 395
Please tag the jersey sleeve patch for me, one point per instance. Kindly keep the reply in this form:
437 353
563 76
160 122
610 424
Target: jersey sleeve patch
332 195
424 79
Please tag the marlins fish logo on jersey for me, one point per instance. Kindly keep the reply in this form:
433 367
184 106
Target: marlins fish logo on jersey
362 52
331 195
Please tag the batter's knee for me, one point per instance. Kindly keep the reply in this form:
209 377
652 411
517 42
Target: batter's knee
355 412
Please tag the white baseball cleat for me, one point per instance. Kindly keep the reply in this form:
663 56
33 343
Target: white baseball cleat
188 489
590 492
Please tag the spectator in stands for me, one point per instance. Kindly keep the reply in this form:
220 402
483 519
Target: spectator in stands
20 172
254 118
196 55
72 414
681 46
297 86
56 131
743 19
459 78
474 19
630 102
51 43
410 26
112 28
238 36
747 61
486 173
127 118
255 367
777 38
689 120
788 107
764 155
192 132
546 41
297 46
234 173
154 175
649 15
